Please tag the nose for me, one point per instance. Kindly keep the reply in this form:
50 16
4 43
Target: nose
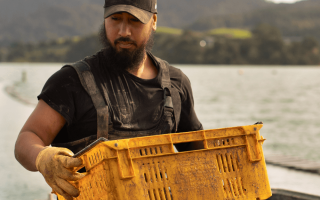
124 30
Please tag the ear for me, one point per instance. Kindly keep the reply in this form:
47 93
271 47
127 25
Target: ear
154 23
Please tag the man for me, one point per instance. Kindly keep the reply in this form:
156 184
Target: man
122 91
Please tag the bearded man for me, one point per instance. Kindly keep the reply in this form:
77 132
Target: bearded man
122 91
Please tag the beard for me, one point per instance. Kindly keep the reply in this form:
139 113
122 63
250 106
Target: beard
124 59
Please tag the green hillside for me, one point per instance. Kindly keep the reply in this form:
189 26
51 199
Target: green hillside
38 20
264 45
295 21
231 32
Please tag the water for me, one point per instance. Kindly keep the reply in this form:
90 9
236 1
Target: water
286 99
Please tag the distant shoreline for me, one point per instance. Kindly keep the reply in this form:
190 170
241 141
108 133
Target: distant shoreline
47 64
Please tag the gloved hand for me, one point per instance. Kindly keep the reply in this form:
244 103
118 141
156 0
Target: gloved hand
56 165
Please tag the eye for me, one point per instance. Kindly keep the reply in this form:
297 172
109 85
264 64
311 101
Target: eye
135 19
115 18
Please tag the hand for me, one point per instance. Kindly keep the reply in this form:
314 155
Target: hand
56 164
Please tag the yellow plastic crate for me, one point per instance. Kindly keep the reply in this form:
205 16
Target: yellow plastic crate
231 166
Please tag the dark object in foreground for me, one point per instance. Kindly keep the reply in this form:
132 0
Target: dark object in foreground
279 194
293 163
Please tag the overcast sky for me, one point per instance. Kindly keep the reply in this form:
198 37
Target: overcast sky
284 1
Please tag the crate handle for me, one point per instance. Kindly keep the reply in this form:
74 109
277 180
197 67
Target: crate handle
257 146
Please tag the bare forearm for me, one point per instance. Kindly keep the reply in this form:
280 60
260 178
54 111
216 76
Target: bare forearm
27 148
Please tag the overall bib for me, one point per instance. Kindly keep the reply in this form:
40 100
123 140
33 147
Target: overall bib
168 122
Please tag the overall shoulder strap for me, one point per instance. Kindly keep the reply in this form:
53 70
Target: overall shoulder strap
89 84
171 95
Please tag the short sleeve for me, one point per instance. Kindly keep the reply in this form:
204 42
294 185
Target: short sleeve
59 91
188 118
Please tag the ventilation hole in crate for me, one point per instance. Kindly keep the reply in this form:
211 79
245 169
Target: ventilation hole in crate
237 163
101 155
228 141
160 194
222 163
237 180
224 189
230 188
224 167
90 160
82 170
233 189
160 149
155 150
140 152
223 143
166 175
236 183
165 194
160 171
150 151
236 187
145 177
241 187
232 161
171 196
218 163
149 194
227 163
155 195
145 150
96 155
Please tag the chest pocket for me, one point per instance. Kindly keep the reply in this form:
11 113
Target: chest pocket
165 125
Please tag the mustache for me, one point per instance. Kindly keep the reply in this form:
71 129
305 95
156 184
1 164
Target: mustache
125 39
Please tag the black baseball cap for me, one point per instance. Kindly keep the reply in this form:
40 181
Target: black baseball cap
141 9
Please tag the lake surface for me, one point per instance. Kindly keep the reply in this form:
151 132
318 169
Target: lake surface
286 99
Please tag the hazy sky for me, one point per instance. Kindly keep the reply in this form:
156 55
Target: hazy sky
284 1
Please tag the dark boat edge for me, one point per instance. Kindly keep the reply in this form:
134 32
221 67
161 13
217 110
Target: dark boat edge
280 194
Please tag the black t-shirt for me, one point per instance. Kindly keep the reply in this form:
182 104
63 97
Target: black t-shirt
140 100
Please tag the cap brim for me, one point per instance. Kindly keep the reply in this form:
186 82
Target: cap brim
143 15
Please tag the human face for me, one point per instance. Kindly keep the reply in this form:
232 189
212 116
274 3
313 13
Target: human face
120 26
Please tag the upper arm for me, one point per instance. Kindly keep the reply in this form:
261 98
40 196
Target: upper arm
188 118
44 122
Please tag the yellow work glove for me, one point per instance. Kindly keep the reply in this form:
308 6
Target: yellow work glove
56 164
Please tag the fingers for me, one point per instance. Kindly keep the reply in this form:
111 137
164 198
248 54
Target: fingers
67 187
61 192
69 162
69 175
76 176
66 152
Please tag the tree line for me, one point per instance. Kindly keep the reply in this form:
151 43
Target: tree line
265 47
